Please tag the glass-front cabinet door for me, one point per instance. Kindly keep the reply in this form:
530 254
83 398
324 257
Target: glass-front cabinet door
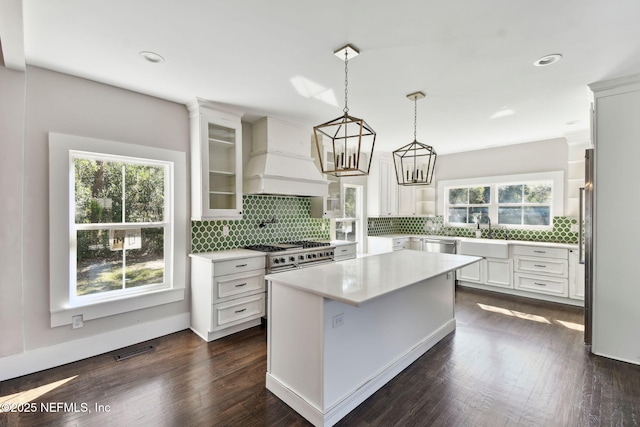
216 164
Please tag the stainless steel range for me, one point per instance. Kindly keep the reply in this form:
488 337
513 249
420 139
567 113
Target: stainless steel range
294 255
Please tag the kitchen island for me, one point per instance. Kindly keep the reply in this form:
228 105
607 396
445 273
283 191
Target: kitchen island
338 332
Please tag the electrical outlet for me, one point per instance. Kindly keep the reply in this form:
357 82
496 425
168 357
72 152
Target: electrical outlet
324 226
574 228
338 320
77 321
225 230
373 224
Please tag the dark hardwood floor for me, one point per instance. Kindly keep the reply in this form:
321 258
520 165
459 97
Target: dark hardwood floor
511 361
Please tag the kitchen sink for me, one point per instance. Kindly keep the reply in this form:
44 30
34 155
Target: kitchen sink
490 248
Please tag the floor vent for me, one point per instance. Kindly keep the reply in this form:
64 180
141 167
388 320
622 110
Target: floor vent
133 352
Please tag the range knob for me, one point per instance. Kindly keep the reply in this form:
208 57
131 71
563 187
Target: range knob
301 258
309 256
276 261
292 258
282 260
314 255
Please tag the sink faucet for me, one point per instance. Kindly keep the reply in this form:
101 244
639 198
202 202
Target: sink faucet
490 234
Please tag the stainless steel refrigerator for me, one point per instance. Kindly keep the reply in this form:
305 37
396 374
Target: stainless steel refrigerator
585 240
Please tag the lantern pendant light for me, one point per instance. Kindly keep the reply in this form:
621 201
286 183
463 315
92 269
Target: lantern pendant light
415 162
345 144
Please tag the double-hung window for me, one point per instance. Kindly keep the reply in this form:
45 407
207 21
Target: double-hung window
518 201
114 209
469 205
525 203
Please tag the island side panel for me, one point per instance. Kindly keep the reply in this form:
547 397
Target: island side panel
295 343
376 338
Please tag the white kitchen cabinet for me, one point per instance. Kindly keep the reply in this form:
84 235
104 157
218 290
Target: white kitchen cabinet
227 292
416 200
530 270
576 276
473 273
344 251
382 199
329 206
498 272
384 244
489 272
542 270
216 161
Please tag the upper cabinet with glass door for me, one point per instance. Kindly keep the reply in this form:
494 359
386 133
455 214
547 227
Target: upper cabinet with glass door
216 161
329 206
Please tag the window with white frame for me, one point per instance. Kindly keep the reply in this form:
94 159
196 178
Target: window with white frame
120 225
525 203
518 201
468 205
113 211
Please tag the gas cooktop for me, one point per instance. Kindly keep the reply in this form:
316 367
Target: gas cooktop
277 247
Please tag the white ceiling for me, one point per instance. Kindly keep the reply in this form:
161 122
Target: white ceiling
471 58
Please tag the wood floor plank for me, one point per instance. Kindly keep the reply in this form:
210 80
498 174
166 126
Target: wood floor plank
511 362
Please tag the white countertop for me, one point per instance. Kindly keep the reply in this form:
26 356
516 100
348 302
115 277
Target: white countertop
359 280
509 242
228 254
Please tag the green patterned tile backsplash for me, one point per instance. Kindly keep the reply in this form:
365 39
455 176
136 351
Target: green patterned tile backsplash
561 232
292 222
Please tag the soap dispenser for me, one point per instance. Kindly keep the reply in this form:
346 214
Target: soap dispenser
478 231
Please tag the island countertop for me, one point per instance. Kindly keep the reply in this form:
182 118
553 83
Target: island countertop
359 280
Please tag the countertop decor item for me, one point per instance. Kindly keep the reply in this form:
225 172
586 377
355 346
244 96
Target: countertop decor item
347 140
415 162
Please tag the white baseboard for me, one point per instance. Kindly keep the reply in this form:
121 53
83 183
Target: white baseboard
56 355
335 413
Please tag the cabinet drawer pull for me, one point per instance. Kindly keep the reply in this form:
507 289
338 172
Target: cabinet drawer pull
240 311
241 265
540 265
540 252
241 285
539 284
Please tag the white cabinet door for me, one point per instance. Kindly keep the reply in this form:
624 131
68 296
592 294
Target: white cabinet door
382 191
389 189
576 276
407 205
472 273
498 272
216 162
329 206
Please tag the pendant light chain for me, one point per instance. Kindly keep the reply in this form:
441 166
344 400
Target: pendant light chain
346 81
415 118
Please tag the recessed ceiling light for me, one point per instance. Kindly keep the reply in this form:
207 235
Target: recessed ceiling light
152 57
548 60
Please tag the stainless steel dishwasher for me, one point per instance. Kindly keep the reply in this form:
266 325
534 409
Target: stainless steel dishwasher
446 246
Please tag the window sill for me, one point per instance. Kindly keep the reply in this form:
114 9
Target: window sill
64 316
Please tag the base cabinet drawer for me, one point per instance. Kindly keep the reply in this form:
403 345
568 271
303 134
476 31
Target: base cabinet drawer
234 285
542 285
222 268
344 252
550 266
236 311
539 251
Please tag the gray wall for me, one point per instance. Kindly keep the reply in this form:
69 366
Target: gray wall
12 84
539 156
61 103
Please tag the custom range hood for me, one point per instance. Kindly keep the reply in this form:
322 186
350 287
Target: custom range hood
280 162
